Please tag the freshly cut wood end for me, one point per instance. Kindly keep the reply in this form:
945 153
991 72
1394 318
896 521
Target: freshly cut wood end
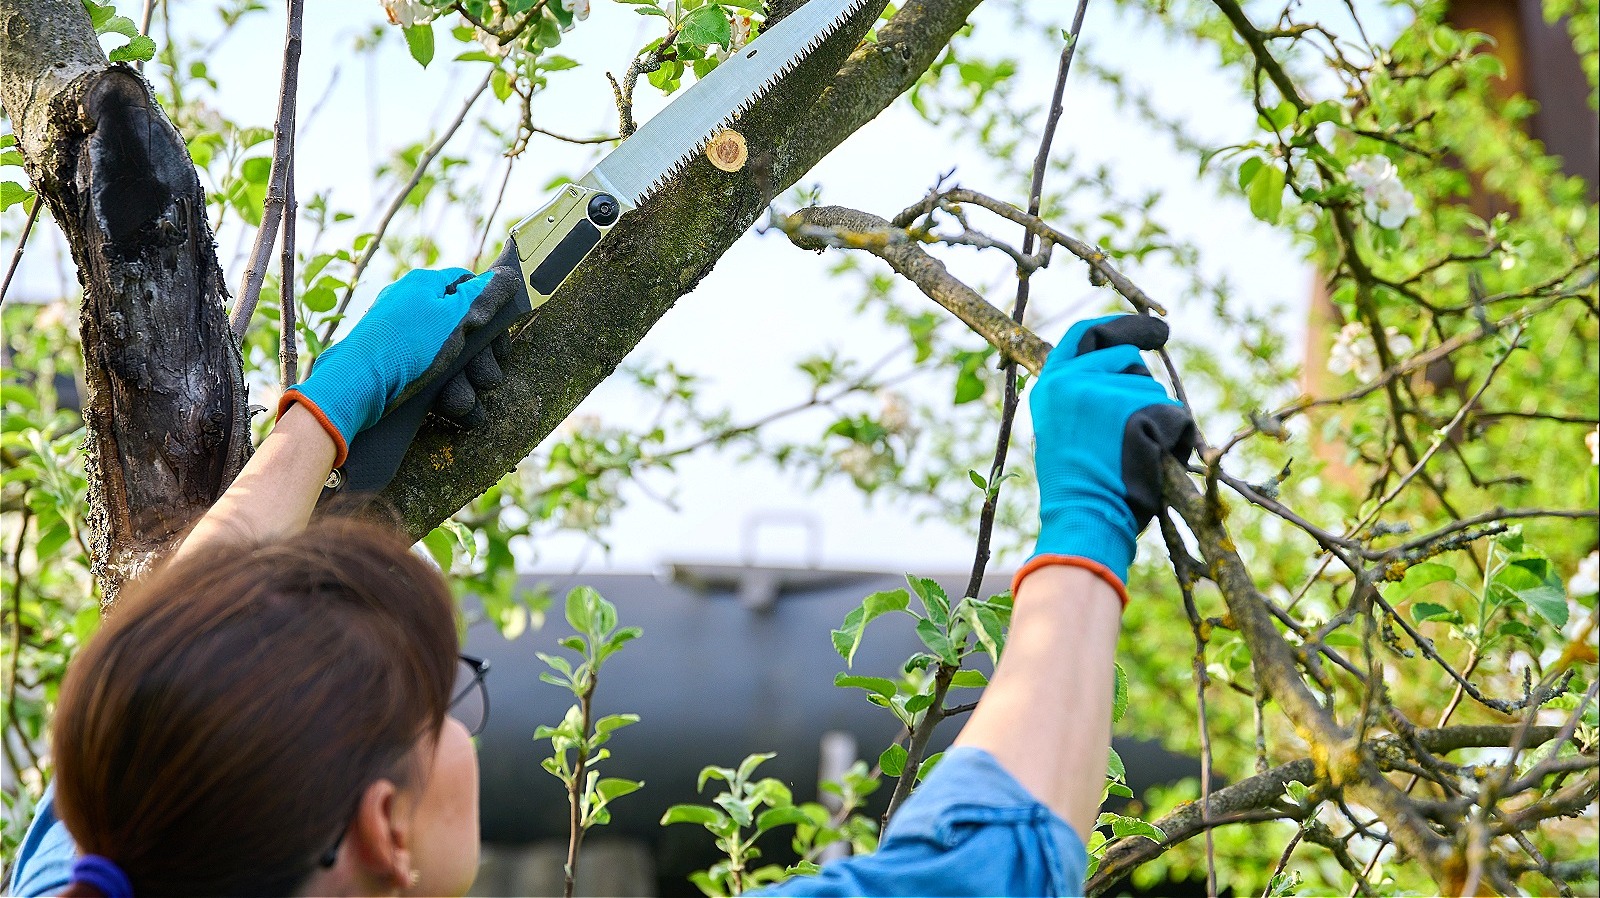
727 150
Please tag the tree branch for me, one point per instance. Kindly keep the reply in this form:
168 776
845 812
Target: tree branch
818 227
1265 789
282 154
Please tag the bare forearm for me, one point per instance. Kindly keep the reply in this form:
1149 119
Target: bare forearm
275 493
1046 715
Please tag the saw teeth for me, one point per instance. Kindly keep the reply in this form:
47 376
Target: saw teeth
789 65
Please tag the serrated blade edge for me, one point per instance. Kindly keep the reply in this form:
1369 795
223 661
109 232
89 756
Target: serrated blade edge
666 143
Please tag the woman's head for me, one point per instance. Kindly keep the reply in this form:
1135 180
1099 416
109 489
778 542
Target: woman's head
239 715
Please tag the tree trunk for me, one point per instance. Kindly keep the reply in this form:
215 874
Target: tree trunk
165 411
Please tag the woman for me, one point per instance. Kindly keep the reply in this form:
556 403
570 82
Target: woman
267 714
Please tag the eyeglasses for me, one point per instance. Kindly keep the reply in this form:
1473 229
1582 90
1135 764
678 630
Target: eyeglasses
469 698
469 705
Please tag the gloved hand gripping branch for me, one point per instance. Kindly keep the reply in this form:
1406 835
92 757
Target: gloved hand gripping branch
1102 424
410 344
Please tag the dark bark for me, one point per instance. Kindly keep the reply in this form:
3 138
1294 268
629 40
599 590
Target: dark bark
165 408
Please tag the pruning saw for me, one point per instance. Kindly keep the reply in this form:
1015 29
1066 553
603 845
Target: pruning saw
547 246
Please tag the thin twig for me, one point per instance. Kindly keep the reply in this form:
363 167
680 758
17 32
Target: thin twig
918 746
288 351
488 223
22 243
272 207
371 252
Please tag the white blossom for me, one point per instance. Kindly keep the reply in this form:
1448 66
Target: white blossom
406 13
895 415
578 8
491 44
1354 352
857 461
1385 200
1586 582
742 27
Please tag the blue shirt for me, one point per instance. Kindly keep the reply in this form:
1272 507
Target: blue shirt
45 857
970 829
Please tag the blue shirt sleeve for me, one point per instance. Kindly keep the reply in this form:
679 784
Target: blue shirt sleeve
45 858
970 829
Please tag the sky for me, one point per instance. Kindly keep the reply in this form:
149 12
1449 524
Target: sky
742 329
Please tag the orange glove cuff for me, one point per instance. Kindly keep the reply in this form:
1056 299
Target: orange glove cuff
1093 567
291 396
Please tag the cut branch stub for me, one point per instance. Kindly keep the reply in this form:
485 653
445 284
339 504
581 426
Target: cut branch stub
727 151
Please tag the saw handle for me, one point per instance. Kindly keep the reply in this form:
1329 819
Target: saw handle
375 453
554 240
544 249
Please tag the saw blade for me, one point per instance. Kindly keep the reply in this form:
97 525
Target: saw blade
665 144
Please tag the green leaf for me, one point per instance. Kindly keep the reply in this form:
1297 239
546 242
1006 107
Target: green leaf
1297 792
441 546
12 193
419 40
1429 611
969 386
893 760
579 601
1123 827
969 679
52 540
847 639
1248 170
936 641
693 813
613 722
750 763
879 685
1114 766
139 48
320 299
1119 693
706 25
934 599
1418 576
927 765
613 787
787 816
1534 582
1278 117
1266 194
978 481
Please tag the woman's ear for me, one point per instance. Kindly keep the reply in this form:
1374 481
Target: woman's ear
379 841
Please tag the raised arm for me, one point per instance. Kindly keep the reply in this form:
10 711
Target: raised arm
408 339
1101 425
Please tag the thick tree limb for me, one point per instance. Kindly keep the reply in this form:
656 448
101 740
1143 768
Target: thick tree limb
165 408
635 275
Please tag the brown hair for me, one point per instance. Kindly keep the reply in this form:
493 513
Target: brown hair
216 735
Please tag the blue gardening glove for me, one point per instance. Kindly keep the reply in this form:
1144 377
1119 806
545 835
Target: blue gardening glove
1101 426
411 335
